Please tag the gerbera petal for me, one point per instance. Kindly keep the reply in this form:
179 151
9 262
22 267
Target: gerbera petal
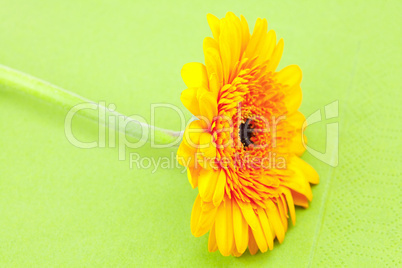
195 213
214 24
249 215
252 245
274 219
186 155
189 99
192 174
276 56
296 144
202 217
213 60
258 36
207 183
193 133
296 119
240 227
212 246
291 76
266 228
209 105
291 206
245 34
293 98
298 181
220 188
224 228
282 212
194 74
299 199
207 149
260 237
309 172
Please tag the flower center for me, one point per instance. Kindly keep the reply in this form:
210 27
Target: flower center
246 132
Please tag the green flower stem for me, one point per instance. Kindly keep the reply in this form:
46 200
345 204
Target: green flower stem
21 82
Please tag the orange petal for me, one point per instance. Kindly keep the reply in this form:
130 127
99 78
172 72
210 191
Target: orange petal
252 245
299 199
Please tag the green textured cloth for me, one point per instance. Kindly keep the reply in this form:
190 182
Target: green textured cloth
61 205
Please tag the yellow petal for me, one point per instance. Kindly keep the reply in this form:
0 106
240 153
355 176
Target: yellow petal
298 182
266 228
291 77
260 237
213 60
207 183
296 119
291 206
194 74
192 174
195 213
224 228
257 38
214 85
189 99
231 33
186 155
249 215
212 246
274 219
214 24
193 132
202 217
282 208
296 144
208 106
224 48
293 98
309 172
245 36
240 227
207 150
276 57
220 188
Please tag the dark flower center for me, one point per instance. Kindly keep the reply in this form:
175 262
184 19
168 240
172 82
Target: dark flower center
246 132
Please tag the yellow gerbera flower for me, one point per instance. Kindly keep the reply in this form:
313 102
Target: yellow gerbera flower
243 150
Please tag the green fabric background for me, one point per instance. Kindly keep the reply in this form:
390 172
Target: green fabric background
61 205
